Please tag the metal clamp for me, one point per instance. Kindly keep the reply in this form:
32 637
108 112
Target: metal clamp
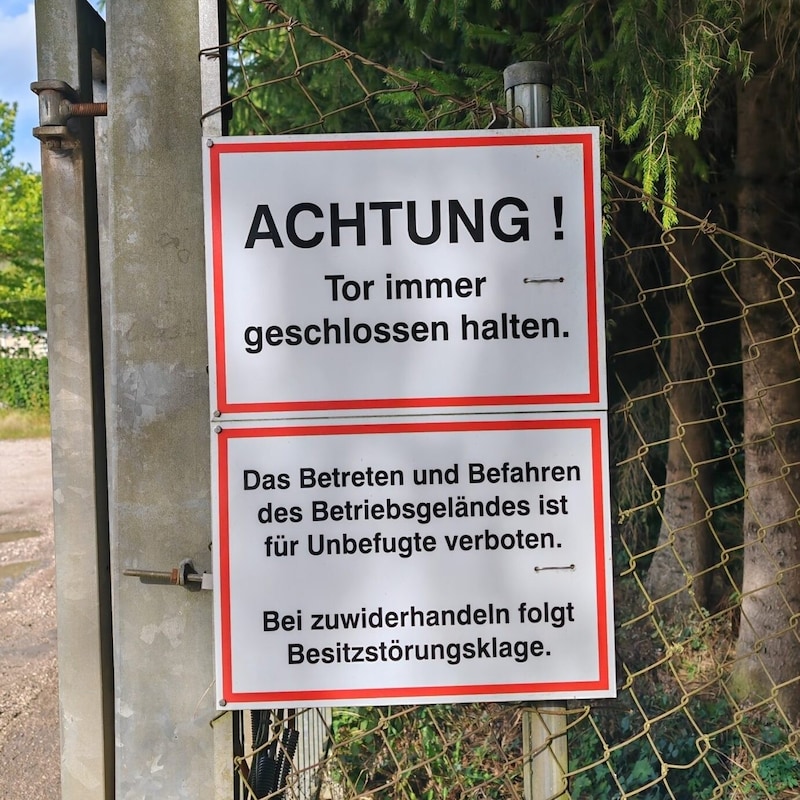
183 575
58 104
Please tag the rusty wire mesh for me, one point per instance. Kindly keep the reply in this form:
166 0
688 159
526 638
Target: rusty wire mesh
692 352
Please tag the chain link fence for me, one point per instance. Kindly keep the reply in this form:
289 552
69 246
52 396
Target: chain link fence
704 377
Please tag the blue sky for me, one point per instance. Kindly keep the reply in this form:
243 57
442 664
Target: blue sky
17 72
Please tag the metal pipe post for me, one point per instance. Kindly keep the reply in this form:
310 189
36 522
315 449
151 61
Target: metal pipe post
527 85
544 729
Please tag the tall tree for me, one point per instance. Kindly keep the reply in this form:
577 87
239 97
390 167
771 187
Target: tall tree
649 72
767 159
21 247
668 63
679 576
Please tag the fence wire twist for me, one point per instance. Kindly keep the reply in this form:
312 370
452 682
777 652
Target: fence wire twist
704 378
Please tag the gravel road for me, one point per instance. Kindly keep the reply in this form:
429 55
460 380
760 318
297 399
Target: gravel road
29 735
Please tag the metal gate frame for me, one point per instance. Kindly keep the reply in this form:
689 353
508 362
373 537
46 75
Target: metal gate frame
71 49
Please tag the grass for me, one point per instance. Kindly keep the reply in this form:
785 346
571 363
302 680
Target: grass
19 424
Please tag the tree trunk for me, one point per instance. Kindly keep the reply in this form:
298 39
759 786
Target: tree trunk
679 577
768 648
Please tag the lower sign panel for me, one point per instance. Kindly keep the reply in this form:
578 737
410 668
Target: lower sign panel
404 562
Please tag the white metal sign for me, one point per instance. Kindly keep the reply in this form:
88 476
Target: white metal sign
405 271
424 561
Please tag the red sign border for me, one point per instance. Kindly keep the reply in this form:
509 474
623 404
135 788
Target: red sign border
533 690
344 143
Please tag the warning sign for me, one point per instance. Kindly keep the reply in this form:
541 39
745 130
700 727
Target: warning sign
427 271
426 561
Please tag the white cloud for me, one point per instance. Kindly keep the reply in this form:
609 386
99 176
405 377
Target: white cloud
17 72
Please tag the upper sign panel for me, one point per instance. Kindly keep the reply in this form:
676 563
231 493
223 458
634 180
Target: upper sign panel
408 271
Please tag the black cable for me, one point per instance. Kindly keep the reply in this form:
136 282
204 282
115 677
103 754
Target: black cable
262 765
274 748
288 749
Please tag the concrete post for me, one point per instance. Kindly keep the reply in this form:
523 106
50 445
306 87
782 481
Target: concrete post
158 401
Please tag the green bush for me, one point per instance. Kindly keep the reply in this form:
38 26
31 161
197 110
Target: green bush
436 752
23 383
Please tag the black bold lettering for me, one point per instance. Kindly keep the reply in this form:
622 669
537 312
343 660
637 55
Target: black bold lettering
436 223
521 228
296 655
457 212
253 340
386 222
357 222
291 225
263 214
271 622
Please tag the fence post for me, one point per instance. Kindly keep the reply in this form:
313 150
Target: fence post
544 751
544 729
527 85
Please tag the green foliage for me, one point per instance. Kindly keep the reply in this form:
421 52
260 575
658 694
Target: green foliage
779 773
289 81
769 767
427 753
23 383
670 761
657 745
645 71
22 296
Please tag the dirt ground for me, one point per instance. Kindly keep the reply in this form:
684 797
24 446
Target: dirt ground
29 734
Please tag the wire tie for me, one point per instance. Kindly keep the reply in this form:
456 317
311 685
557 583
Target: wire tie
571 568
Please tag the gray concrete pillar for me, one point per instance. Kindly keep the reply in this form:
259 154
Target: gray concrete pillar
158 401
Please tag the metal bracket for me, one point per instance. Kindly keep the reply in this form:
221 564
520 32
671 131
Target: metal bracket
183 575
58 105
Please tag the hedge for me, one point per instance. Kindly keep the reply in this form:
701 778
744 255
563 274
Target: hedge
23 383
